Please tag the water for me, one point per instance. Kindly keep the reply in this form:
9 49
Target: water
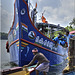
5 59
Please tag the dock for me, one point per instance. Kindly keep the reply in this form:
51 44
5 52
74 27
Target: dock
70 69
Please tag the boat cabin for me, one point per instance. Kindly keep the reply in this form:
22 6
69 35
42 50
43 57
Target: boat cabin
48 29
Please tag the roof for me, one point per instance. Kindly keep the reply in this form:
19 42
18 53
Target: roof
50 25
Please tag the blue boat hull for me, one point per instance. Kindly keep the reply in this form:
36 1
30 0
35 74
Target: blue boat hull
24 36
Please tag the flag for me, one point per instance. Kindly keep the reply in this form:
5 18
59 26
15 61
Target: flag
24 27
36 5
44 19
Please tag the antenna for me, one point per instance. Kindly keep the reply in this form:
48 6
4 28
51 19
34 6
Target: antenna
42 15
43 12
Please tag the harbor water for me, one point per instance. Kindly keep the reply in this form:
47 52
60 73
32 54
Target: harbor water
5 57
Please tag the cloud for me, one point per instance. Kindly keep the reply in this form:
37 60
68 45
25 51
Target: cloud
57 12
39 1
7 7
66 11
6 20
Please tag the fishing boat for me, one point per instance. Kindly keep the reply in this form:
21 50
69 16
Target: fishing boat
25 36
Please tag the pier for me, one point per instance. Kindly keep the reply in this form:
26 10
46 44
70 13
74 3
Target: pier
70 69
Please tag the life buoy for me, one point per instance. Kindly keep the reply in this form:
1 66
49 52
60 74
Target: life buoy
7 46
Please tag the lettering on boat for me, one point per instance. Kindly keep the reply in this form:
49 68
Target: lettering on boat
27 51
46 43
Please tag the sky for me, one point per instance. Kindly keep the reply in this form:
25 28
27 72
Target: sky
56 12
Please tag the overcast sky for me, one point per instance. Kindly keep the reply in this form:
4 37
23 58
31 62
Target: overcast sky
56 12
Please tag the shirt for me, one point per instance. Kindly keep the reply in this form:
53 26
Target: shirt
40 58
68 37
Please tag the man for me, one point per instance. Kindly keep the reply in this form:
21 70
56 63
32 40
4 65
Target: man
58 38
63 42
68 36
43 62
34 16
